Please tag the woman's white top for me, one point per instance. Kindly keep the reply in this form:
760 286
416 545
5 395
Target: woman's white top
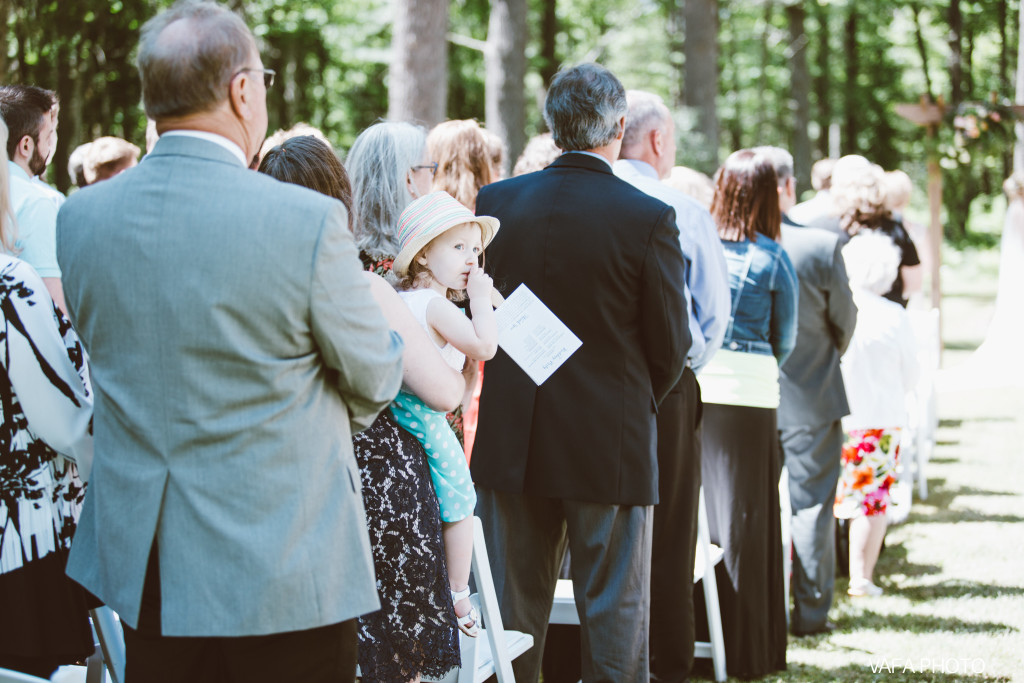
879 367
417 300
738 378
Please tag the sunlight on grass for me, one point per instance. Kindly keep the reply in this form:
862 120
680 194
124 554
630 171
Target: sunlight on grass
953 608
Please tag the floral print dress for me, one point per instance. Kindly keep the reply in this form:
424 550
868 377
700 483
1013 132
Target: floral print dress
869 461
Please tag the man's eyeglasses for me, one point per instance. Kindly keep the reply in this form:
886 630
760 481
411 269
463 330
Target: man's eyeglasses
431 166
268 75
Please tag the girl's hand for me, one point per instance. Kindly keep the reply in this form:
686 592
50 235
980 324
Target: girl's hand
479 283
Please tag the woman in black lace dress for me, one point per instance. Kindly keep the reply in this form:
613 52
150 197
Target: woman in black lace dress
414 633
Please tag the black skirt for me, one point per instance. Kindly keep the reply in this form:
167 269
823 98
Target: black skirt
414 632
741 463
44 615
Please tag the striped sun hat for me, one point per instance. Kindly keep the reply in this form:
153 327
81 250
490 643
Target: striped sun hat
429 216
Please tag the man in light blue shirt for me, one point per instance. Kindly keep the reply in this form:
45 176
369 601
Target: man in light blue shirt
647 155
29 112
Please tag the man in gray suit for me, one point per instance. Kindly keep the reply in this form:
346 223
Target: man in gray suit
813 400
234 348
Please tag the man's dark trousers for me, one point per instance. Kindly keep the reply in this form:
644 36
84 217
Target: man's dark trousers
675 531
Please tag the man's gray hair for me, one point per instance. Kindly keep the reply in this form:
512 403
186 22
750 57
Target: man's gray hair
646 112
187 57
584 106
379 163
780 159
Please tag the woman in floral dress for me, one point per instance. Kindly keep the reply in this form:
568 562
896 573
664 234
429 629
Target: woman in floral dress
879 368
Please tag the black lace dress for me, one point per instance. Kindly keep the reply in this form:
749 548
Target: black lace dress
414 632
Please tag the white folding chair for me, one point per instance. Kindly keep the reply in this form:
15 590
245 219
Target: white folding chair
786 514
8 676
492 651
563 609
922 413
708 555
110 647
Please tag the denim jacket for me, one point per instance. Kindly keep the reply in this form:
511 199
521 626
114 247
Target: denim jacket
764 289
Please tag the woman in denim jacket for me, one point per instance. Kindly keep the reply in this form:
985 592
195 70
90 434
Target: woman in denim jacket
741 460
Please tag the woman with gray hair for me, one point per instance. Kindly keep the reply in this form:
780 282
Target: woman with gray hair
879 368
414 633
389 167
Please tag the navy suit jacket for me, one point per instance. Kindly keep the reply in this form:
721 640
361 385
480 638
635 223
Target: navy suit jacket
605 258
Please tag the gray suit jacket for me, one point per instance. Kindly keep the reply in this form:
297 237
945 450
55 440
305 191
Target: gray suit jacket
234 346
812 392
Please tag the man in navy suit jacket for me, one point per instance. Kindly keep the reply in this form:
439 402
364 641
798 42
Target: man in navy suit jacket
574 460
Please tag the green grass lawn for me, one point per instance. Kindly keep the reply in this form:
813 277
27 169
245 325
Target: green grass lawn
954 571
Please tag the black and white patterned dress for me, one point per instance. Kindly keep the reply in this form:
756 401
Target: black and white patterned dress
414 632
45 407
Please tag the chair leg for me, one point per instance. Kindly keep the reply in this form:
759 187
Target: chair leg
714 610
493 627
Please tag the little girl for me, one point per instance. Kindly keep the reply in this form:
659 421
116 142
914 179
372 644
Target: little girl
441 242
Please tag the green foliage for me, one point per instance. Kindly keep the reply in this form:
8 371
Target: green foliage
332 59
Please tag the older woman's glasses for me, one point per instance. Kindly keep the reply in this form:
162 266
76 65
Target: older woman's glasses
431 166
268 75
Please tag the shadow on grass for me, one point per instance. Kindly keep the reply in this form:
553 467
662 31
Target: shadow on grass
893 560
950 345
939 508
945 516
918 671
918 623
971 491
956 589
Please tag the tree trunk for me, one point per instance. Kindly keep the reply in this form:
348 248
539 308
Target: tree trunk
762 81
700 78
1001 20
922 50
4 20
956 27
1018 149
548 39
968 62
418 85
822 81
505 62
800 83
850 92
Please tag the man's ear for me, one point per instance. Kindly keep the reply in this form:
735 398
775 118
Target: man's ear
25 146
240 97
622 128
657 141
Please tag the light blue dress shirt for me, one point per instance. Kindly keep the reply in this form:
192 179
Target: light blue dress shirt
36 212
707 279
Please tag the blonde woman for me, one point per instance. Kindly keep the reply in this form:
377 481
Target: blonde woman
859 196
467 156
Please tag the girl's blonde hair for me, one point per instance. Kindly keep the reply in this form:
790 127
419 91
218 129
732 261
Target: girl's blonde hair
8 225
465 156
